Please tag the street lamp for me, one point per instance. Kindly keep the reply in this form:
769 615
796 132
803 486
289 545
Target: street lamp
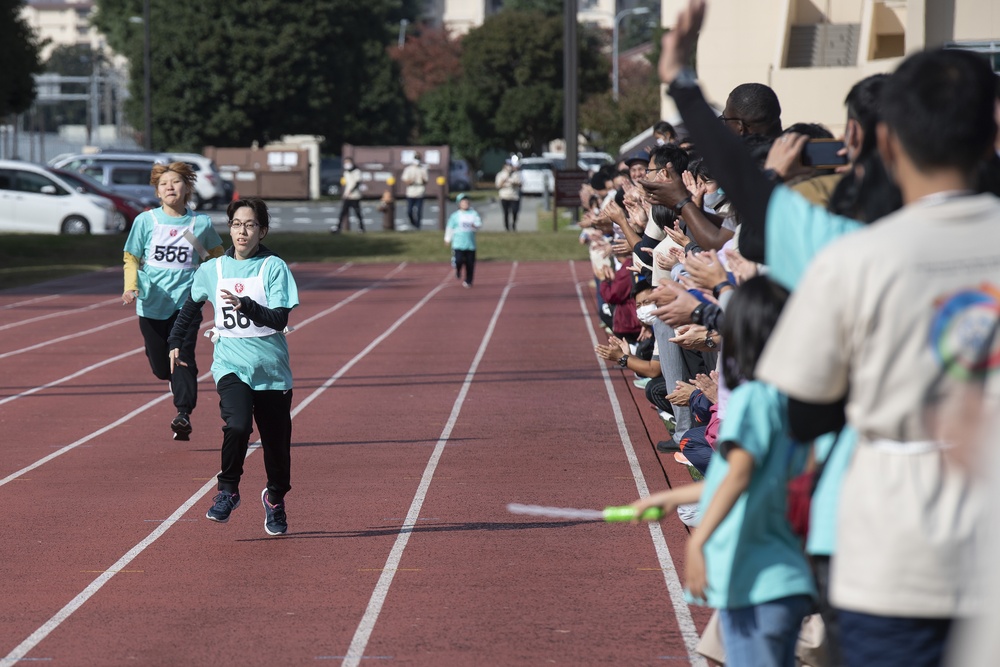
147 67
614 44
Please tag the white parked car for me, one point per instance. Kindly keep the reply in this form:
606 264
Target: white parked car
537 175
33 199
208 189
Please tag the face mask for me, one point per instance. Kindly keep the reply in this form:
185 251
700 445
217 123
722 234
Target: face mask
712 199
645 313
661 141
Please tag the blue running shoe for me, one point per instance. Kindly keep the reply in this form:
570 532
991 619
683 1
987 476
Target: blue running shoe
225 503
275 521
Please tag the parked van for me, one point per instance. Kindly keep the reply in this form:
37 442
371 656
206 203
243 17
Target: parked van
33 199
537 175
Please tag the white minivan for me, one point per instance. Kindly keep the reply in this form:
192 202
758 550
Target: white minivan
537 175
33 199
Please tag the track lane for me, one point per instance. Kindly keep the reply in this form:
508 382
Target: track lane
358 458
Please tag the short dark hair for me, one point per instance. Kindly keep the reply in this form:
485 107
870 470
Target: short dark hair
751 315
940 104
259 210
757 105
663 127
811 130
671 153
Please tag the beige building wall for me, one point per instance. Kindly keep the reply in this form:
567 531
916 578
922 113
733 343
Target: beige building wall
63 23
745 42
461 16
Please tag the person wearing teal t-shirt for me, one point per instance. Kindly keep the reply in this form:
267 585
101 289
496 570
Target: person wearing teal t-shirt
252 292
164 249
743 558
460 232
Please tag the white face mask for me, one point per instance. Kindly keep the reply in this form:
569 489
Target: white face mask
645 313
660 141
712 199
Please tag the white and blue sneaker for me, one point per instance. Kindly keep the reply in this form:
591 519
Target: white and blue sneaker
275 521
225 503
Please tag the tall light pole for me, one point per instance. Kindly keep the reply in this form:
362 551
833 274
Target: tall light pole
147 68
614 44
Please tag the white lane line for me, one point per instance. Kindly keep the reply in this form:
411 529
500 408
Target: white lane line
355 653
87 438
60 313
82 371
22 649
99 364
681 610
67 337
28 302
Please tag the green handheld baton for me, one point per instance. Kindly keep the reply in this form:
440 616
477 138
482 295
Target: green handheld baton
616 514
627 513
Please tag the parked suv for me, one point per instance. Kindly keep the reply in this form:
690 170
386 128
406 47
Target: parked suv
32 199
130 178
209 191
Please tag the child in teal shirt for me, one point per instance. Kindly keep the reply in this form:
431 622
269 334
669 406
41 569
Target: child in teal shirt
743 559
461 234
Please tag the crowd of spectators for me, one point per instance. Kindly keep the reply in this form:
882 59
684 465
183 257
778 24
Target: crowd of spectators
838 322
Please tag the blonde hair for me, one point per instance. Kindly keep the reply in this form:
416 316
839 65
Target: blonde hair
182 169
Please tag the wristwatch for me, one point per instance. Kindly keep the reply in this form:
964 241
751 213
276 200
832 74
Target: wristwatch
623 362
681 204
709 341
698 313
717 290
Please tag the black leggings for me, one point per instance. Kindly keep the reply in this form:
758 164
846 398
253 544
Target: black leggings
184 380
466 258
272 410
348 205
510 211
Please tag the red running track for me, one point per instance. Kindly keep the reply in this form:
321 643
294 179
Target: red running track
421 409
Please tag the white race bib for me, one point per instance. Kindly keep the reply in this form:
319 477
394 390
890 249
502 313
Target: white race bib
233 323
168 249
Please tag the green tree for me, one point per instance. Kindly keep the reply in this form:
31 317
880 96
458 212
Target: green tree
512 83
608 124
231 72
19 53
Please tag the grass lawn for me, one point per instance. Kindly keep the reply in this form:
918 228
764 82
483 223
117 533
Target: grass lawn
30 258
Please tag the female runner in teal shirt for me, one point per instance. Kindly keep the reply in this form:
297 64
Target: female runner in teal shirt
252 292
163 250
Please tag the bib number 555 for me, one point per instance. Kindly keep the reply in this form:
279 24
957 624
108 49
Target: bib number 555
171 254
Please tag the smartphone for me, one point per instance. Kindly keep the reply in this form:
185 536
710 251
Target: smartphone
822 154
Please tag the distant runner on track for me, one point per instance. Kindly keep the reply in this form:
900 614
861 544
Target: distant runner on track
252 291
162 253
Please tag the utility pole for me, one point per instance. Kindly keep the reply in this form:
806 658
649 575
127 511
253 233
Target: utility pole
570 58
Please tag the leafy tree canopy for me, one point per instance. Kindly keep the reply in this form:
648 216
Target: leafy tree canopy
19 53
231 72
510 92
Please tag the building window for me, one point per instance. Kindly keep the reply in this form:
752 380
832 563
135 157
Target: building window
989 49
823 45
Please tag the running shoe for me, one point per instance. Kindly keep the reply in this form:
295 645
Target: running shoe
275 521
181 426
225 503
